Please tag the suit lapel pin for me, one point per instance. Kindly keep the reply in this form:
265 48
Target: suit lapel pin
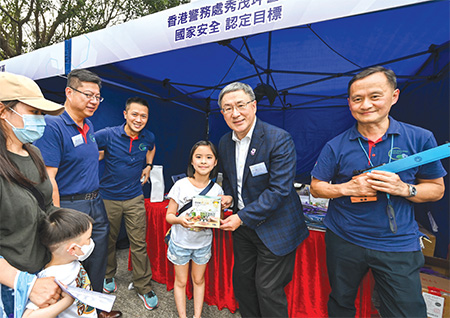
253 151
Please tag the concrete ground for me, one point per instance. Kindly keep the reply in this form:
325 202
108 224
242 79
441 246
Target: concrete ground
132 306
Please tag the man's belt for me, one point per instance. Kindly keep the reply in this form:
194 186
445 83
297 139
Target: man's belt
79 197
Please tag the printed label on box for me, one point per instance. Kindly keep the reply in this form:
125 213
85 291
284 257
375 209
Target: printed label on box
435 305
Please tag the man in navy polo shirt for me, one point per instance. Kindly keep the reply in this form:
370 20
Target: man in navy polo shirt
382 235
71 157
128 151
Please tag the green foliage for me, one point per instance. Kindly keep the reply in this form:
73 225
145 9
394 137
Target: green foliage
26 25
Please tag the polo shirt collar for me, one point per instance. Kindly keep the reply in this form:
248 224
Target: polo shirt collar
122 130
393 129
68 120
249 134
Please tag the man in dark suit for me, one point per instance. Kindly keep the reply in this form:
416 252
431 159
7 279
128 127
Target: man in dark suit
258 162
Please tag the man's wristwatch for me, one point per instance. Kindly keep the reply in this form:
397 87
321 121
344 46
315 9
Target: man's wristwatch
412 191
149 164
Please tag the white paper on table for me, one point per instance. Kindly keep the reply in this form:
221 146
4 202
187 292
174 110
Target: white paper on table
157 180
94 299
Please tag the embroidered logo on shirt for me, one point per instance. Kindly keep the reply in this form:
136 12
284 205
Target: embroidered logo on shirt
398 154
142 147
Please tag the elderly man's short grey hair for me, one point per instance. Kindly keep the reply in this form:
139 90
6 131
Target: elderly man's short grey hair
233 87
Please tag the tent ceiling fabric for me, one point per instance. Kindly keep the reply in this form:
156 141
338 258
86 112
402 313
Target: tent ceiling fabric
309 66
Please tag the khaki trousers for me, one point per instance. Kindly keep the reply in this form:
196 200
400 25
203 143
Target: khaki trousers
133 212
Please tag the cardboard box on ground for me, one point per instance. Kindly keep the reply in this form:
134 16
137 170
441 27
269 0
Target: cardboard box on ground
435 279
440 265
429 244
436 292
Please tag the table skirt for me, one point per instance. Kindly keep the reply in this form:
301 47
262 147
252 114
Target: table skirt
307 293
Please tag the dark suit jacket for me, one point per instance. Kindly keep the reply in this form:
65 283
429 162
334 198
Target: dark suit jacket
272 207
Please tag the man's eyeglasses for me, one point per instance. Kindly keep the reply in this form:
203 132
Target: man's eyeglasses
89 95
227 109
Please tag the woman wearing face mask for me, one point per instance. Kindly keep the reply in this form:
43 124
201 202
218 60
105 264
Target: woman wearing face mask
25 195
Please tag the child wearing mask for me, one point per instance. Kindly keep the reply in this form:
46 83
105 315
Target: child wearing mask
67 234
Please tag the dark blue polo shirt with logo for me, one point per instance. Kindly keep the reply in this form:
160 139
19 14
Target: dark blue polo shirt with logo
73 151
367 224
124 160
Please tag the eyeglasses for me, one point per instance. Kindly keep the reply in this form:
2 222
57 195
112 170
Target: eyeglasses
89 95
239 107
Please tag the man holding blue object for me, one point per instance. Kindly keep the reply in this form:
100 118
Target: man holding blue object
71 155
128 151
381 235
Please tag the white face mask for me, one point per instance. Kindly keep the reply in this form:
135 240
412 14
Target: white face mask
86 249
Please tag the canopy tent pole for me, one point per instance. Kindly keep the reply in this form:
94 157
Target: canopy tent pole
433 57
149 94
67 56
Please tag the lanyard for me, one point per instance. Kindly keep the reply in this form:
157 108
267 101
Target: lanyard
389 209
367 155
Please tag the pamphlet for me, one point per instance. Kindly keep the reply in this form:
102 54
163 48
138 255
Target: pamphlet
92 298
206 211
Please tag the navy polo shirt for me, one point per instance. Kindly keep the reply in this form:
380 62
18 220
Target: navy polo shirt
64 147
124 160
366 224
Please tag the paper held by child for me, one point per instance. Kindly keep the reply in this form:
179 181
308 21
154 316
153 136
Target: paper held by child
205 211
94 299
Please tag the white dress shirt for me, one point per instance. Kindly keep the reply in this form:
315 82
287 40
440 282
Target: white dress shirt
241 156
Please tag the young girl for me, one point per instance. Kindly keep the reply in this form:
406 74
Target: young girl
188 243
